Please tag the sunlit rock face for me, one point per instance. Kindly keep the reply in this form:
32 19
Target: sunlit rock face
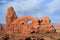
15 24
11 15
46 26
27 25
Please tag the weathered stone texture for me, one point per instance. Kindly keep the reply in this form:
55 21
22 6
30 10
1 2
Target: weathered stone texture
21 25
0 27
11 15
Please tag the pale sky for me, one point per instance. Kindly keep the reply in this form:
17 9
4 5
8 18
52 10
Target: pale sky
35 8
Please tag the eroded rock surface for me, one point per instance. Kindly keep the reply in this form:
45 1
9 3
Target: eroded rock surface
11 15
21 25
1 28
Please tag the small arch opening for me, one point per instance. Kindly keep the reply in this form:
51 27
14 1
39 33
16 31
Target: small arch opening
29 21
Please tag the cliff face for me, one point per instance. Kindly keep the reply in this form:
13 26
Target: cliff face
21 25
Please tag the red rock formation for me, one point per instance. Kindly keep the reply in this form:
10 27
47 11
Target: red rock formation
46 26
20 25
11 15
0 27
45 20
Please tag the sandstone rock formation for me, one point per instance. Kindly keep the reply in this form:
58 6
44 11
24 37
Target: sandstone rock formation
11 15
21 25
46 26
0 27
45 20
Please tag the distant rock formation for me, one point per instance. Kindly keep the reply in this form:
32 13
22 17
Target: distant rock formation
1 28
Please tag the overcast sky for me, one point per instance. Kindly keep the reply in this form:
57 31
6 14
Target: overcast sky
35 8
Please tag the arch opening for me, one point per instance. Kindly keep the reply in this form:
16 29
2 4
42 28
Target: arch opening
29 21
